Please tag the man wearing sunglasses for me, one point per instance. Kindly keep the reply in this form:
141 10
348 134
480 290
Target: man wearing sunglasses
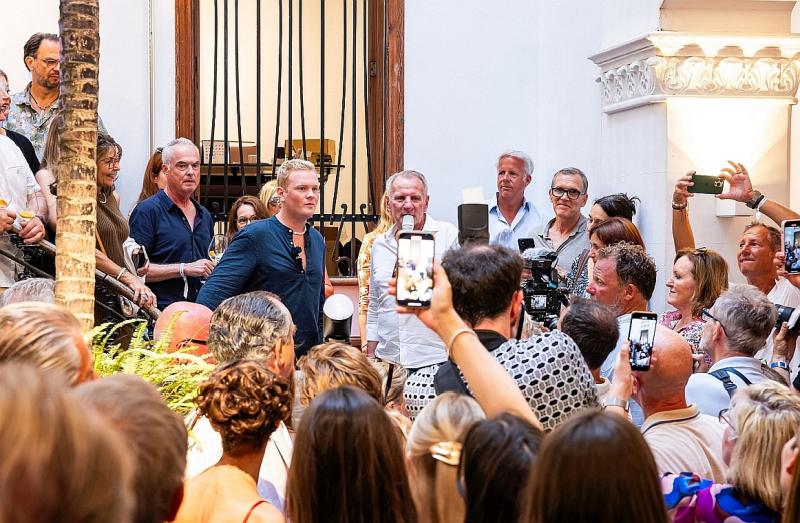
735 329
567 234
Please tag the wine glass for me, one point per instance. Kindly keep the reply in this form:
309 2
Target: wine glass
32 207
217 247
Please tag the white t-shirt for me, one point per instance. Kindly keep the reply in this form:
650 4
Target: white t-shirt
708 392
783 293
16 180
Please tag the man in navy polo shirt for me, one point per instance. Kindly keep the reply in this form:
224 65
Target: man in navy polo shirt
282 255
175 229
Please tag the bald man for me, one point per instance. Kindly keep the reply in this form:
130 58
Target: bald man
189 326
681 438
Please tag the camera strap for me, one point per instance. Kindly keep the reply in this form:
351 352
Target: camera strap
723 376
583 260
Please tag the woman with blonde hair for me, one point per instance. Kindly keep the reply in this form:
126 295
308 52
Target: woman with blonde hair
245 402
363 267
433 450
62 461
269 197
761 419
46 335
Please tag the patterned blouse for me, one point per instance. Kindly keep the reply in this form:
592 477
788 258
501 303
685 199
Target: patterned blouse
364 268
579 281
691 332
689 499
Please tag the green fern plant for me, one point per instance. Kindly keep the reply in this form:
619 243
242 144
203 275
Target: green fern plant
176 375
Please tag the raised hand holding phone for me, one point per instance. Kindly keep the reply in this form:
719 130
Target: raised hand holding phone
642 336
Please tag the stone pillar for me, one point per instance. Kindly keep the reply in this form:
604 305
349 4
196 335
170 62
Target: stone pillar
677 101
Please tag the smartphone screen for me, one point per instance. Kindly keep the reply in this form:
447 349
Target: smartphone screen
642 335
707 184
791 246
415 269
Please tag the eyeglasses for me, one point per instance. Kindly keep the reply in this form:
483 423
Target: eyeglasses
49 62
705 314
558 192
110 162
275 200
724 417
246 221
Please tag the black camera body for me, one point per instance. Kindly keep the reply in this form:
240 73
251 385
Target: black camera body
543 294
790 316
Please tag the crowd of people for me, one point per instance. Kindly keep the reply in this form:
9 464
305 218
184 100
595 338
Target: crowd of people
464 410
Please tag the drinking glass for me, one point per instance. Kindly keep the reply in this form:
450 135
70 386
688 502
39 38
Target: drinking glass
217 247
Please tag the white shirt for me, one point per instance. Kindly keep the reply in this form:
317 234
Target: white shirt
526 224
16 181
709 394
783 293
402 338
205 449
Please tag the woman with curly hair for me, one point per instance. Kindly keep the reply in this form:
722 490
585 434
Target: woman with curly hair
245 402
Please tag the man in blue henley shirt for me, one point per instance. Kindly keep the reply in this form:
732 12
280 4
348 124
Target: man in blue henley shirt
282 255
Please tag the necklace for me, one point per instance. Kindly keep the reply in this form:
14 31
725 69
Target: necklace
299 233
42 107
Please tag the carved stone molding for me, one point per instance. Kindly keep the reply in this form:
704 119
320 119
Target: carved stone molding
638 72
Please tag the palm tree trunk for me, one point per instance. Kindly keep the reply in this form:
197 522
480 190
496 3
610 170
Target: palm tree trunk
76 170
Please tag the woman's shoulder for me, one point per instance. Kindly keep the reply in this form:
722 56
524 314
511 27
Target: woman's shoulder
265 513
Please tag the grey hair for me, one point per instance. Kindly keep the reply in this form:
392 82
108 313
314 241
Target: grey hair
166 152
747 316
286 168
31 289
248 326
527 163
572 171
405 174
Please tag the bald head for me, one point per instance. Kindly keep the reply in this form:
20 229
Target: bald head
189 322
666 380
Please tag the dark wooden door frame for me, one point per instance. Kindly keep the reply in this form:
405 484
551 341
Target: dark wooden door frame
385 86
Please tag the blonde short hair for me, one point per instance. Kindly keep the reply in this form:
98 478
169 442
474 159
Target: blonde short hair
43 334
69 462
765 416
286 168
433 486
333 364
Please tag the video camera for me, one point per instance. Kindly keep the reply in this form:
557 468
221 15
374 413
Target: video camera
543 292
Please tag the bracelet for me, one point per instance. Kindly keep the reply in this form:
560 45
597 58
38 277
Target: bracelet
455 335
119 275
779 365
181 270
679 206
761 203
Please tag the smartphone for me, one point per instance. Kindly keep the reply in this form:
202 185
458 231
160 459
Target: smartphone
642 335
415 251
707 184
791 246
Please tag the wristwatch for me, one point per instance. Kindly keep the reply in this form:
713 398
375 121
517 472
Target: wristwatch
755 200
616 402
779 365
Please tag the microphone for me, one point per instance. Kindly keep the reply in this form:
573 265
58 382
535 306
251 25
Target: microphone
537 253
407 223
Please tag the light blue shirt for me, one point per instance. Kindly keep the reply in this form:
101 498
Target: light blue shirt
526 224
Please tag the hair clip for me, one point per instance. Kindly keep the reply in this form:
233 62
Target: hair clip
448 452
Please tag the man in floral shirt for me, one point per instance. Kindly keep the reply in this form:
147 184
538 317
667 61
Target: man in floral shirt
34 107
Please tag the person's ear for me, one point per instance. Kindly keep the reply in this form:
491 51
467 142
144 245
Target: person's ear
516 306
629 292
635 385
389 407
281 192
792 461
29 62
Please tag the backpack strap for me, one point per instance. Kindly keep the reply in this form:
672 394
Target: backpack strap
724 377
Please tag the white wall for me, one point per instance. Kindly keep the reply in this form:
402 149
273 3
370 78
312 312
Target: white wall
124 79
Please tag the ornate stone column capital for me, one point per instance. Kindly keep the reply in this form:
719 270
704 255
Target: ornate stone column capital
665 64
